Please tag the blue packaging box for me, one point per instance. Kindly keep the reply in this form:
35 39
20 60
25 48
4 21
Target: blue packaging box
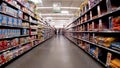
6 33
0 33
115 46
0 8
5 20
1 18
10 21
15 22
20 22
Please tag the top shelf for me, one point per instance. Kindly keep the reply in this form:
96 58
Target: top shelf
20 9
88 10
103 15
24 6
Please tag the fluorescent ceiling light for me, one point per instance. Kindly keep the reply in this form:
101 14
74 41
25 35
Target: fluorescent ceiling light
37 1
48 17
72 8
65 12
56 14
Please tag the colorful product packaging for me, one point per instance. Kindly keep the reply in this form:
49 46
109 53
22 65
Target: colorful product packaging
19 22
10 21
5 20
1 19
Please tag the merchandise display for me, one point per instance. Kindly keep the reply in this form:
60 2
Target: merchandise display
19 29
97 31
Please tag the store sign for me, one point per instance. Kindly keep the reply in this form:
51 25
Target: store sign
57 7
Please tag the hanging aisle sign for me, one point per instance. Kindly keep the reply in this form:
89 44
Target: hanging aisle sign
57 7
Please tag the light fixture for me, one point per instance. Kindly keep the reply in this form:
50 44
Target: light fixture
48 17
65 12
56 14
37 1
71 8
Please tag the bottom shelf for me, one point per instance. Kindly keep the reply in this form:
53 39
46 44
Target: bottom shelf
18 56
99 61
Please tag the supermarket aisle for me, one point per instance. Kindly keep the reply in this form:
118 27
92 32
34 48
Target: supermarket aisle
57 52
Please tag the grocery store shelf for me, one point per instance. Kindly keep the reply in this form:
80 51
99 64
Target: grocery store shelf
34 23
19 9
14 37
10 5
13 47
23 6
33 34
101 16
25 20
34 18
8 15
88 10
9 26
88 53
6 63
98 45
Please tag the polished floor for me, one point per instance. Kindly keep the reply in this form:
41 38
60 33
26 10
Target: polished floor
57 52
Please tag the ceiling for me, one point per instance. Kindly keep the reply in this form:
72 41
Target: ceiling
46 10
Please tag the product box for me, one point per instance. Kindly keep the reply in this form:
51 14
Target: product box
10 21
19 23
8 55
15 22
9 43
3 7
13 51
24 32
109 56
20 14
6 33
0 33
115 45
2 59
5 20
1 19
0 8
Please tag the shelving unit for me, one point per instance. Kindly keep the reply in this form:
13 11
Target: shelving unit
19 26
97 31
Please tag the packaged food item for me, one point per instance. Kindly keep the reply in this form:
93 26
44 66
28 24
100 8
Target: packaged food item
109 57
1 18
19 22
105 41
2 59
15 22
116 23
20 14
5 20
92 50
16 52
4 44
108 41
3 7
9 1
6 33
115 63
8 55
115 45
1 33
0 8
